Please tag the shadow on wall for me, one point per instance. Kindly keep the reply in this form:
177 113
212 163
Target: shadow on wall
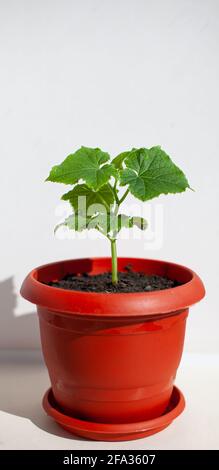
16 331
24 378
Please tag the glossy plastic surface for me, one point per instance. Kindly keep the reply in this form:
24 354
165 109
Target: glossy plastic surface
112 357
115 432
109 369
143 303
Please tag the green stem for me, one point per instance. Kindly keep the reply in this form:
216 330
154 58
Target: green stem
123 197
115 195
113 242
115 192
104 203
114 262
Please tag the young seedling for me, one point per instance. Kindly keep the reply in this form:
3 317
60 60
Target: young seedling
98 183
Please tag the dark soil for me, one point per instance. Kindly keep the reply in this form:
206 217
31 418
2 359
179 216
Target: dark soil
128 282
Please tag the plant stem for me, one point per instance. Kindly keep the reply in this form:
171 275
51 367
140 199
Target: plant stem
113 242
115 195
114 262
115 192
124 196
104 203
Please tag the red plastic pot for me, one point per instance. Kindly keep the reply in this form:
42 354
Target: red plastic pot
112 358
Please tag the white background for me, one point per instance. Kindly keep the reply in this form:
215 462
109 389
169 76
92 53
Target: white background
114 74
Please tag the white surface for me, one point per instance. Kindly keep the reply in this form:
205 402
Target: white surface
24 425
114 74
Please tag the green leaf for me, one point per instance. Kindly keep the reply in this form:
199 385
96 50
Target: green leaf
87 164
118 161
111 224
125 221
107 224
104 196
79 222
140 222
151 172
75 222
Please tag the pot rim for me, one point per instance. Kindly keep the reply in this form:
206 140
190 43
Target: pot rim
113 304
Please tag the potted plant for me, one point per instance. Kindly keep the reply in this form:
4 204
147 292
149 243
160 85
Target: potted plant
112 330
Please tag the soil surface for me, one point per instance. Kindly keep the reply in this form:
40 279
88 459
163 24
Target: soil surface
128 282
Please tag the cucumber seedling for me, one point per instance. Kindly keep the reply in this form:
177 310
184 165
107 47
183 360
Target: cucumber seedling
101 184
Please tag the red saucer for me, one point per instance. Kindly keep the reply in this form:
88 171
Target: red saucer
114 432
